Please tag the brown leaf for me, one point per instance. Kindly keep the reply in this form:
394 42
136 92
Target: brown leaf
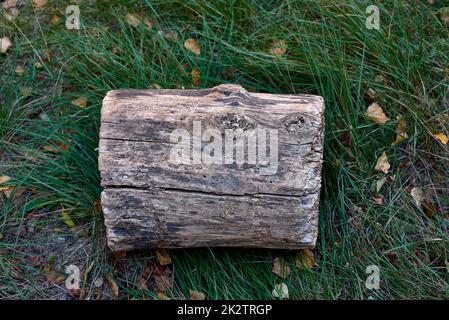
281 268
4 179
162 296
376 113
196 295
277 47
192 46
54 277
196 77
401 128
80 102
379 199
133 20
164 282
5 44
444 14
113 286
305 259
163 257
382 163
441 137
20 70
55 19
39 4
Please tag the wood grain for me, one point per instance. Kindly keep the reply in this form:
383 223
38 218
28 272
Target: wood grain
150 202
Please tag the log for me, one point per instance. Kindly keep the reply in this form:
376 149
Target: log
210 168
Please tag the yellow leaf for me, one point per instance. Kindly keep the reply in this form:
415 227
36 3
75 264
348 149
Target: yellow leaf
382 163
4 179
196 77
20 70
193 46
6 189
163 257
66 218
281 268
305 259
277 47
196 295
376 114
38 65
401 135
133 20
80 102
280 291
441 137
5 44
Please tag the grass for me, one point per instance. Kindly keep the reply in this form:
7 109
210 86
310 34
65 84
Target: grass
48 145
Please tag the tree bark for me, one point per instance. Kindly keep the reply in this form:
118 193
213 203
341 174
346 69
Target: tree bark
149 201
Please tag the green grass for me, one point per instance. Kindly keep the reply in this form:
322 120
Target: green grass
330 53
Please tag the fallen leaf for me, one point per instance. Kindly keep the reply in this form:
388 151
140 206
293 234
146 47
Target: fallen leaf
163 282
441 137
163 257
281 268
280 291
277 47
148 23
4 179
20 70
8 4
81 102
120 255
196 77
38 65
379 199
417 195
39 4
18 192
162 296
67 219
25 91
54 277
77 294
380 183
444 14
113 286
382 163
5 44
305 259
228 73
371 93
99 282
376 113
192 46
196 295
55 19
133 20
401 128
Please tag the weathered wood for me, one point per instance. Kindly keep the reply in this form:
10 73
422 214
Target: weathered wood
149 201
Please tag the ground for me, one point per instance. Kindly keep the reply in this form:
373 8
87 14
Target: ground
52 82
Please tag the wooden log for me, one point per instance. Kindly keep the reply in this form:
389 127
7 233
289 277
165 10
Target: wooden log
211 167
